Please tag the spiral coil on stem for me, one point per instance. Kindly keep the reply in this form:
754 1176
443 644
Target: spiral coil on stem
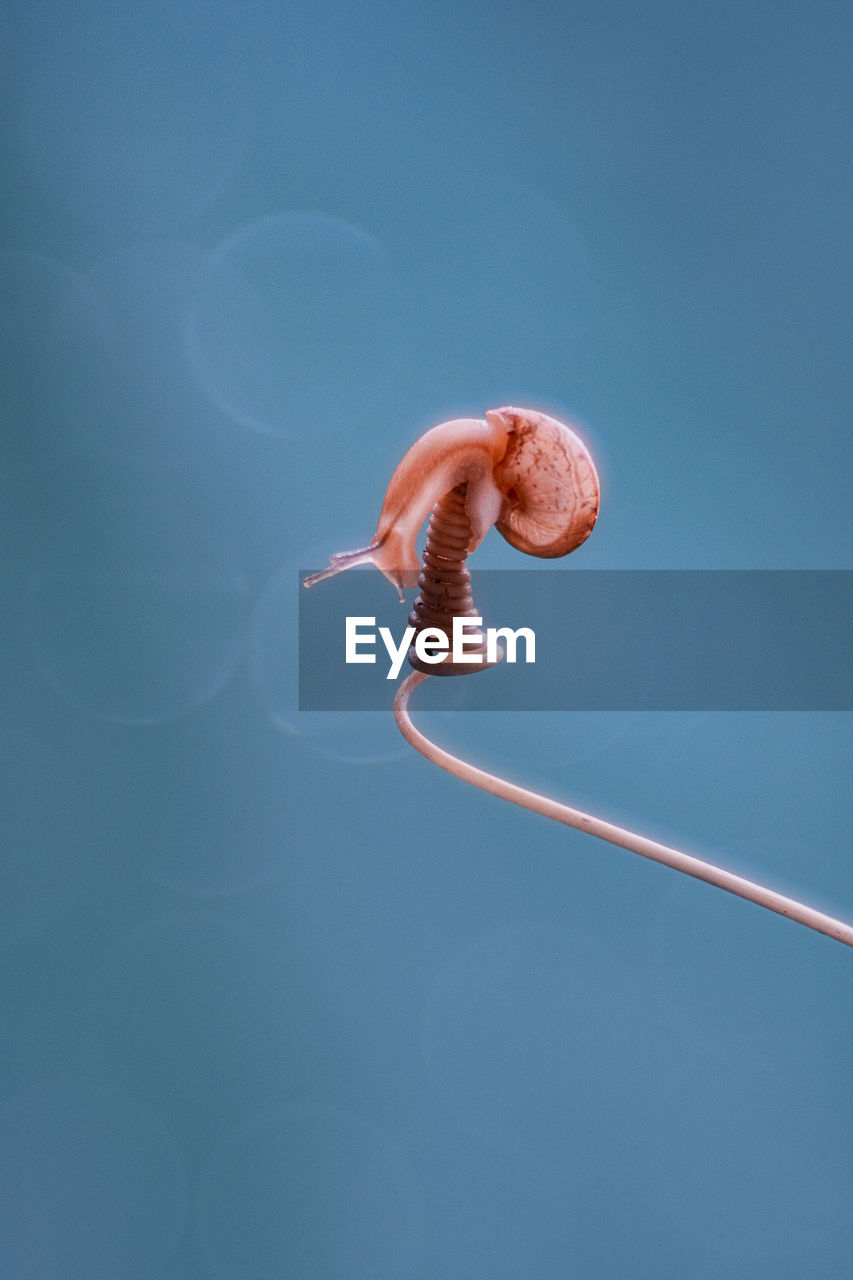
445 585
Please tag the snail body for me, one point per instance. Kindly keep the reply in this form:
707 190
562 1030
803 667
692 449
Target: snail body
524 472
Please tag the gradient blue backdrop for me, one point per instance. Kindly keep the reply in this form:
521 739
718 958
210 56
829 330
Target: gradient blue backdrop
280 1000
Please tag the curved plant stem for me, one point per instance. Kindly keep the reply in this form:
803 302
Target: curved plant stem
691 866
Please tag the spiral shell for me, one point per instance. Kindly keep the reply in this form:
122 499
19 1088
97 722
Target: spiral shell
549 483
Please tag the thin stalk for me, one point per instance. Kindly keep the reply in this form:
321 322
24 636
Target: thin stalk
646 848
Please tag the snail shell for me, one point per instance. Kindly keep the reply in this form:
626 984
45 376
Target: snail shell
549 484
526 473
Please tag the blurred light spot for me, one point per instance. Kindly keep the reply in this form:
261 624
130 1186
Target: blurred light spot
92 1186
45 840
202 1017
743 1125
310 1191
496 1213
521 1046
204 807
45 311
138 648
130 393
133 117
297 326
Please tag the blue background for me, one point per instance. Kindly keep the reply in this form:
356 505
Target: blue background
278 998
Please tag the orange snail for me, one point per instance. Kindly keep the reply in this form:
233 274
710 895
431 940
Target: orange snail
534 480
520 470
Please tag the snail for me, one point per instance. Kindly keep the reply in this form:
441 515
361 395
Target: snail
533 479
524 472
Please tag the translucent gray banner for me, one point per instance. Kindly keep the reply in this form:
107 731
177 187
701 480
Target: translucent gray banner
605 640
